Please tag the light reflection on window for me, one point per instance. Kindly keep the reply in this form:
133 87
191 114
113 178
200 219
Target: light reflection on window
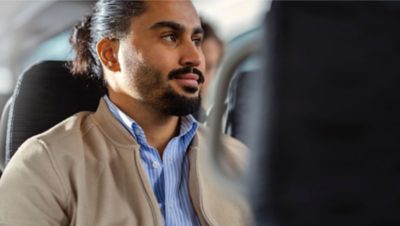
56 48
6 81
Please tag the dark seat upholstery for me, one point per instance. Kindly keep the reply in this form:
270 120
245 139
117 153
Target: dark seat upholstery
45 95
3 133
327 147
238 104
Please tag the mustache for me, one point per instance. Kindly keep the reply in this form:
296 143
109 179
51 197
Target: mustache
181 71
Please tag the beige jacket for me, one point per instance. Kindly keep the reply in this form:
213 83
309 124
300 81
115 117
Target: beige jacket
86 171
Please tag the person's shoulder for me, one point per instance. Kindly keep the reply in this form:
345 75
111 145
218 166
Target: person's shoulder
75 125
62 135
59 141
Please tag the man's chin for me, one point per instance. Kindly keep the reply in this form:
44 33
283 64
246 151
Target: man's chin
181 105
186 90
191 90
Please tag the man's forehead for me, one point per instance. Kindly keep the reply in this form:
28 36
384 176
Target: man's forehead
179 11
170 4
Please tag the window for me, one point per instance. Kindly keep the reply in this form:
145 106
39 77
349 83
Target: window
55 48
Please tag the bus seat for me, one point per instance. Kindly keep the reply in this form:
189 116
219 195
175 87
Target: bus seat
326 151
46 94
238 104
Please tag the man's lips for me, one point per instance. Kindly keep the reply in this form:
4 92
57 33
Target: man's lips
188 79
189 75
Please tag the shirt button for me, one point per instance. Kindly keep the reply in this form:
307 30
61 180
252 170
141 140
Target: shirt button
155 165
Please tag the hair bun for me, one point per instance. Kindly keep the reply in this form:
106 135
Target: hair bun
81 40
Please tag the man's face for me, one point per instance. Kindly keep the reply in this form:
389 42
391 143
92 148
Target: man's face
161 60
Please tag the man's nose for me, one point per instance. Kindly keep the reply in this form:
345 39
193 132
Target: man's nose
191 54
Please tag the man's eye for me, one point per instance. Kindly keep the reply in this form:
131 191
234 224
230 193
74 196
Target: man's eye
170 38
197 41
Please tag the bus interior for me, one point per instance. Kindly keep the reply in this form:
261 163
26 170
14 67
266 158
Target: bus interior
309 86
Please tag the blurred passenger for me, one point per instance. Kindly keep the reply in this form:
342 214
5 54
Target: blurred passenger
139 159
213 49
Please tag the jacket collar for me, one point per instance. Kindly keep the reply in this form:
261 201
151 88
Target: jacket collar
111 127
106 121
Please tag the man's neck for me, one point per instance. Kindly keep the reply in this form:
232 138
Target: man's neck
158 127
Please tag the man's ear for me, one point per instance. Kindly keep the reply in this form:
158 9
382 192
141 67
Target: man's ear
107 50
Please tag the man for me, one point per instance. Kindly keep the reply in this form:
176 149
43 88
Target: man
213 49
139 159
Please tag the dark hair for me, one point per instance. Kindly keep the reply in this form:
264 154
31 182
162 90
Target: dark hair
110 19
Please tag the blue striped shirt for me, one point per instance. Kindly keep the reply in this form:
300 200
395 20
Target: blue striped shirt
168 175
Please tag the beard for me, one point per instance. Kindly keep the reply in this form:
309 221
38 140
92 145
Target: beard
179 105
154 92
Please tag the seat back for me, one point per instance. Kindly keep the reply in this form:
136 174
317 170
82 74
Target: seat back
330 153
46 94
3 133
238 104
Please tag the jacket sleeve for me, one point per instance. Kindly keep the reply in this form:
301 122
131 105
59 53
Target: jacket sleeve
32 192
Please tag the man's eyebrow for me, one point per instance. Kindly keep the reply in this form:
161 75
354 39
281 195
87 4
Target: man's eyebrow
198 30
169 24
174 26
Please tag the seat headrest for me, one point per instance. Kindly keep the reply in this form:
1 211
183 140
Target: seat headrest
3 133
46 94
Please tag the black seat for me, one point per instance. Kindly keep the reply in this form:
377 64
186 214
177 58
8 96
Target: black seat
3 133
45 95
327 147
238 104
